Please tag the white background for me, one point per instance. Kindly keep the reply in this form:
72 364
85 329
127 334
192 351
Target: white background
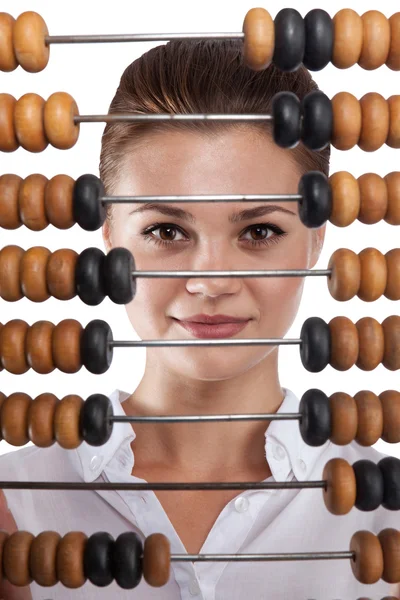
91 73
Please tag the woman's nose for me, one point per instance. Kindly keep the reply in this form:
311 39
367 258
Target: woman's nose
213 286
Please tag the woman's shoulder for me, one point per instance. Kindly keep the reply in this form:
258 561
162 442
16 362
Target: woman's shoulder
33 463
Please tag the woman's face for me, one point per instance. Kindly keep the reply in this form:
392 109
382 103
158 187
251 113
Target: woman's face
212 236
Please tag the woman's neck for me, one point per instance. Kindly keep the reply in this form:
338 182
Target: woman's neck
204 448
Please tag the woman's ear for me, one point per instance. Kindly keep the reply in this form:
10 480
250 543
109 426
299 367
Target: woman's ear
106 231
318 236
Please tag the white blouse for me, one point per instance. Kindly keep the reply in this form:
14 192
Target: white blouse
255 521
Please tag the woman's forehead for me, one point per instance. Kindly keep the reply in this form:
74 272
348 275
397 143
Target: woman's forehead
230 162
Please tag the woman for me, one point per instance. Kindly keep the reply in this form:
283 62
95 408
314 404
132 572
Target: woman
205 158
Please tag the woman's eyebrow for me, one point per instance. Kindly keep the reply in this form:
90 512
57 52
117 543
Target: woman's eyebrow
243 215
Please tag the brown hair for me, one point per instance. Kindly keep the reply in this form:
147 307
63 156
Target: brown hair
198 76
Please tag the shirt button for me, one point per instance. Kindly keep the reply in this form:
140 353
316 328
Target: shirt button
95 462
241 504
194 587
279 452
302 465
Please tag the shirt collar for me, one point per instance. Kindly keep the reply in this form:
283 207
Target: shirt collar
285 449
94 459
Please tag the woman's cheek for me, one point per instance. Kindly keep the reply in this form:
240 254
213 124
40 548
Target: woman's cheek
279 303
147 311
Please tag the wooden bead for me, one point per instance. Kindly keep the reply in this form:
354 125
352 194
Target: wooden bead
59 125
390 400
61 273
67 345
58 199
10 283
392 290
392 181
348 38
341 488
41 420
370 418
344 418
14 419
373 274
347 121
1 363
31 202
156 559
33 273
389 539
259 39
393 59
371 341
8 137
393 138
70 555
66 422
9 210
373 198
43 554
391 329
376 40
16 558
30 31
28 121
8 60
12 346
368 564
375 122
344 343
345 198
344 281
39 347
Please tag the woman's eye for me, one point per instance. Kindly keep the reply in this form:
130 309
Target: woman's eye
166 233
257 233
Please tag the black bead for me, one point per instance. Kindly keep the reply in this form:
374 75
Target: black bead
119 283
315 208
88 211
97 559
315 424
96 352
286 111
89 279
317 120
95 425
127 560
390 469
369 482
290 39
319 39
315 347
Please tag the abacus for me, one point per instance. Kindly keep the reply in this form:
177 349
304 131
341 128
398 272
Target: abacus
33 123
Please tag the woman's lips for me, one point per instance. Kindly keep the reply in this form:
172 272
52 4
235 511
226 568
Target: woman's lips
209 330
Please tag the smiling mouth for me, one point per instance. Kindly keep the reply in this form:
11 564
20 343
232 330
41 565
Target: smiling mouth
217 327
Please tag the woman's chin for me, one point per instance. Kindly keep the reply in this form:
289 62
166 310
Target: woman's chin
216 364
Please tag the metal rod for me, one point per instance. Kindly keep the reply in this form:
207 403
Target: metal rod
269 273
263 557
138 37
133 117
207 418
203 198
180 486
222 342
